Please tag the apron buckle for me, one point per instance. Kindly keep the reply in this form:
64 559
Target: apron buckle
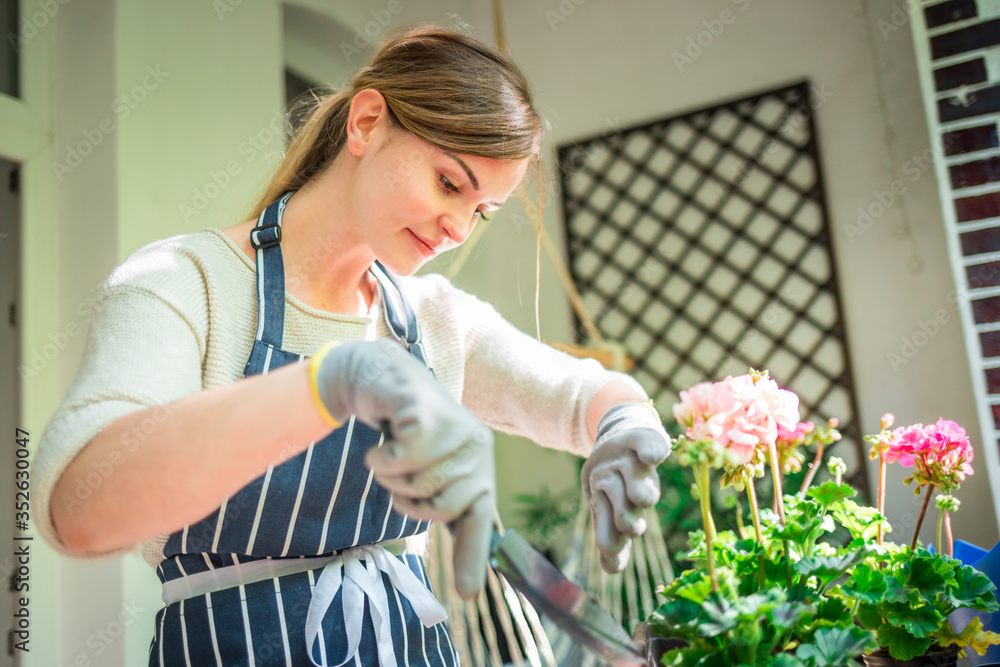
266 236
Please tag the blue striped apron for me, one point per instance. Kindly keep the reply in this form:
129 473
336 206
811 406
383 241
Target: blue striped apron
301 540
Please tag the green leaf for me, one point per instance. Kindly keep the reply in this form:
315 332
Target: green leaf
920 621
866 584
901 644
803 529
825 567
926 575
829 492
973 636
676 618
835 647
834 611
869 616
797 592
788 615
861 521
786 660
895 591
973 590
718 617
694 585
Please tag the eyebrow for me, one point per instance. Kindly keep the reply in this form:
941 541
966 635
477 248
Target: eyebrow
472 177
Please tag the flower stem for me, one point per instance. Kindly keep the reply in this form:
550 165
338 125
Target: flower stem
939 526
920 519
881 491
752 494
702 474
813 467
779 499
948 538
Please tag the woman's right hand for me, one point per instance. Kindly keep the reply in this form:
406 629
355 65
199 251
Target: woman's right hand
437 458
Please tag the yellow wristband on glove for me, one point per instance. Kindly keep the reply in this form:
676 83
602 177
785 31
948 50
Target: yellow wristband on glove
649 404
314 364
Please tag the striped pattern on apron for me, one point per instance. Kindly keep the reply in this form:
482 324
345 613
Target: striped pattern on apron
319 503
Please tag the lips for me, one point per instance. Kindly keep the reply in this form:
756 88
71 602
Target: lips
424 246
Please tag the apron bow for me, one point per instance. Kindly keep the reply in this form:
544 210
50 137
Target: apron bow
358 571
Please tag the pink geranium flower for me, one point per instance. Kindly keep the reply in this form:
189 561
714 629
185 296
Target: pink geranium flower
738 413
703 409
940 453
796 434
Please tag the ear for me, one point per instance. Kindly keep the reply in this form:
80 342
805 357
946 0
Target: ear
366 121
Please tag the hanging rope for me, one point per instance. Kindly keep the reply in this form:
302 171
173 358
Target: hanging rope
498 26
611 355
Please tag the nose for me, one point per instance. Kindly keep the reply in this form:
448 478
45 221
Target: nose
455 230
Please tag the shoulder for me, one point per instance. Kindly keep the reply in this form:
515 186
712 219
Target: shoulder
174 266
435 291
453 314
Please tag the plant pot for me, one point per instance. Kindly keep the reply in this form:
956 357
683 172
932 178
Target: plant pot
653 646
947 658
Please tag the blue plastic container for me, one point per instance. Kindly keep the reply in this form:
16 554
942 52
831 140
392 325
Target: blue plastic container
987 562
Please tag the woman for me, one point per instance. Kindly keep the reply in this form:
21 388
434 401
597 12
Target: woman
280 502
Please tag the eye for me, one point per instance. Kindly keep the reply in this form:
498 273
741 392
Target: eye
448 187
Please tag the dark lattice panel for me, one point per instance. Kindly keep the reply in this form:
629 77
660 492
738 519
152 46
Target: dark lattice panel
701 243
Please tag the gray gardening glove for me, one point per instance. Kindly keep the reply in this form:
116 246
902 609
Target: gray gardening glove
437 459
620 479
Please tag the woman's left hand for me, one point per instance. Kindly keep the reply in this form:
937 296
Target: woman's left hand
620 480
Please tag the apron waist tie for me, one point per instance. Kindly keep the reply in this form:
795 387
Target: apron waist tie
360 580
357 569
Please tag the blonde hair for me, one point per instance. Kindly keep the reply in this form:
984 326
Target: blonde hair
448 89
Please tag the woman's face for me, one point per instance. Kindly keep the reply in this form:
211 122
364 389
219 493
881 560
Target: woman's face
422 200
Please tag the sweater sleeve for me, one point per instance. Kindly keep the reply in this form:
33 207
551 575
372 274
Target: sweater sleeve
144 348
518 385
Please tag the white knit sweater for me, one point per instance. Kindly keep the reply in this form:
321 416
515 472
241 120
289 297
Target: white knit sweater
179 316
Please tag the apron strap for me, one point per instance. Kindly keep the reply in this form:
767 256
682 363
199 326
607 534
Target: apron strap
406 329
266 239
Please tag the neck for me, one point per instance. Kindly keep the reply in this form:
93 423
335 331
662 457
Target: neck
326 261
